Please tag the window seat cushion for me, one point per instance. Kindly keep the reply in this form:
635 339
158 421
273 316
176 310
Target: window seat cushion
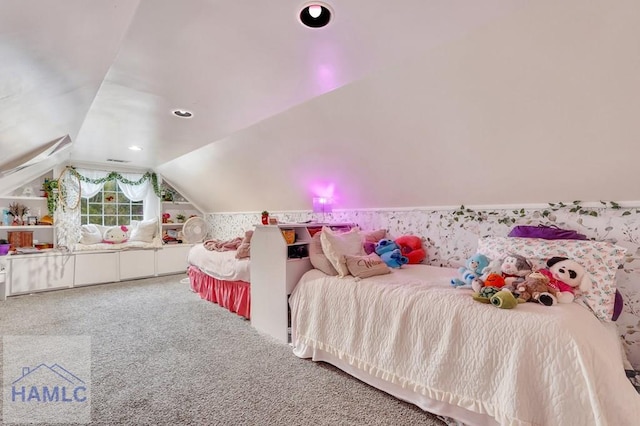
155 243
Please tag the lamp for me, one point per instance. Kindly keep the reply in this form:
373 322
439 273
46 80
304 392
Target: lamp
322 205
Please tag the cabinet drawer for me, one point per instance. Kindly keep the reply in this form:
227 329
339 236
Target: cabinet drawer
38 273
96 268
137 264
172 259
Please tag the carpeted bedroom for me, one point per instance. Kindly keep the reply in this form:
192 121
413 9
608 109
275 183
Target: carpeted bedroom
159 354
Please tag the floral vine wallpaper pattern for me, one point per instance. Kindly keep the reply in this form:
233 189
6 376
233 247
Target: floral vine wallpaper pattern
450 236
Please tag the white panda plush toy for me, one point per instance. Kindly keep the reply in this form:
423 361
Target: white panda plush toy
115 235
566 275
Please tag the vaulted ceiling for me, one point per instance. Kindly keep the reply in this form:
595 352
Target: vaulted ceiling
446 83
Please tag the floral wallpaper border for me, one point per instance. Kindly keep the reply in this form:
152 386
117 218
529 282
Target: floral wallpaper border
450 236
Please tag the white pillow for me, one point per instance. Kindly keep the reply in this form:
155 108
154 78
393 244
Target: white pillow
317 256
90 234
337 245
116 234
600 259
144 231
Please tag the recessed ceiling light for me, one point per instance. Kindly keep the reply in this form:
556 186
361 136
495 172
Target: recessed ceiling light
182 113
135 148
315 15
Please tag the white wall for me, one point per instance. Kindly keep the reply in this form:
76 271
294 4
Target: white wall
540 105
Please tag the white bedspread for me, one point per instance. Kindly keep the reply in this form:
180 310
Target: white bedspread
222 265
532 365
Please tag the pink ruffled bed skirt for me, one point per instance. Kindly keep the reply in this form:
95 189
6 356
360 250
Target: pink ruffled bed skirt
233 295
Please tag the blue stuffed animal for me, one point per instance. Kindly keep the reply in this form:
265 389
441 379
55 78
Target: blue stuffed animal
385 245
394 259
473 269
390 253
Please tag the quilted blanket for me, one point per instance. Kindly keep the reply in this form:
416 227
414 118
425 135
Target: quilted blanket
532 365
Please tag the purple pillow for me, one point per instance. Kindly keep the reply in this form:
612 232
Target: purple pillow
617 307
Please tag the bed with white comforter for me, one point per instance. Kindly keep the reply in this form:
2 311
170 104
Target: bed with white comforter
222 265
413 335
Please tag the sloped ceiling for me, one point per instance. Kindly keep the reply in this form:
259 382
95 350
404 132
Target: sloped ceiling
393 104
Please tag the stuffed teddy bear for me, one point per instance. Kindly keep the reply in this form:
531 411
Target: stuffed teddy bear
535 288
411 248
565 275
390 253
493 269
472 269
115 235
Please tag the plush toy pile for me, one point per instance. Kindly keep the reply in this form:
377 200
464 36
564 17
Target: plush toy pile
402 250
506 282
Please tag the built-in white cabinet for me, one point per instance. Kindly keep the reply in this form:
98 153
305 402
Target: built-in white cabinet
172 259
40 272
137 264
276 267
51 270
96 268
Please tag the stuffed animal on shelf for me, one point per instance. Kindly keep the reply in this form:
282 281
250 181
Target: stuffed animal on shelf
390 253
411 248
565 275
535 288
472 269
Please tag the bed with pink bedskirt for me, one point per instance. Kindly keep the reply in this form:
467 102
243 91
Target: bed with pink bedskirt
221 278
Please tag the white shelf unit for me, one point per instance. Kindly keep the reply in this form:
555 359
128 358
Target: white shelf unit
275 272
37 207
175 208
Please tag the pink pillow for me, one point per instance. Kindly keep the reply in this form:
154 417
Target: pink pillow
244 249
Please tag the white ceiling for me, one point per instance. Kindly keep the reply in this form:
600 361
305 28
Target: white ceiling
393 104
108 73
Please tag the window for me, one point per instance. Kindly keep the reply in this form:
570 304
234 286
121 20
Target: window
110 207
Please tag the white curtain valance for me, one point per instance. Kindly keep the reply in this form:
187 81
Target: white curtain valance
88 189
143 191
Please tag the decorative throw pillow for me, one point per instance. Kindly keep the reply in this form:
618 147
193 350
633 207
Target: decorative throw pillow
244 249
115 234
337 245
599 258
144 230
366 266
371 238
90 234
317 257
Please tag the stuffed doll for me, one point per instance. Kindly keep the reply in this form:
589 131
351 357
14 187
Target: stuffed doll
411 248
390 253
535 288
115 234
565 275
472 269
514 269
